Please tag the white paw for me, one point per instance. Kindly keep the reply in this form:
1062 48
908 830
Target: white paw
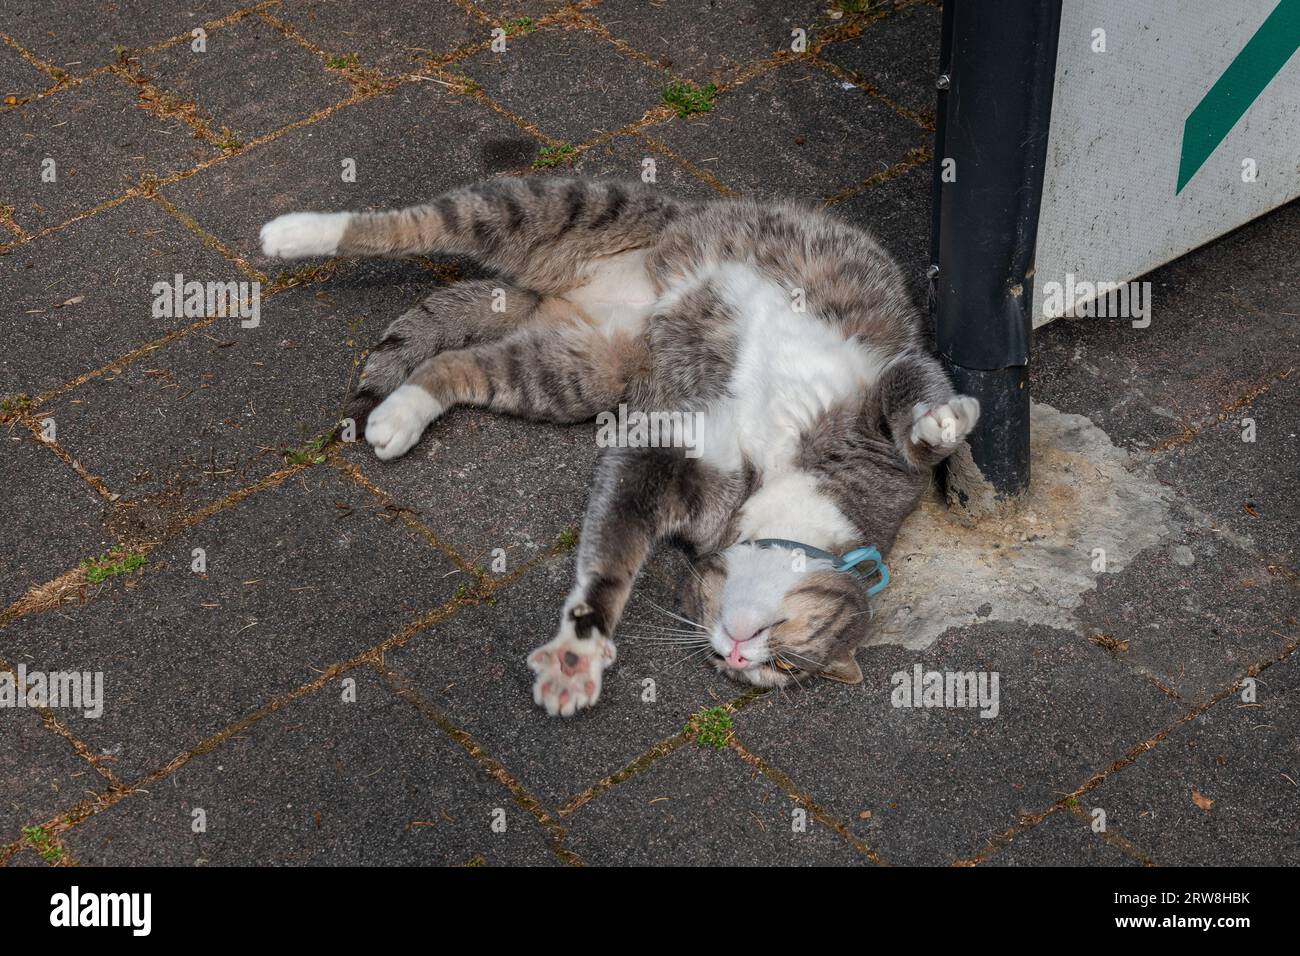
301 234
400 419
568 670
944 424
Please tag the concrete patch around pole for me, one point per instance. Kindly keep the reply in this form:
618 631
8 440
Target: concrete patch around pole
1091 509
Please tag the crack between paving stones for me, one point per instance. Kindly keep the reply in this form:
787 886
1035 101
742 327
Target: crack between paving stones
792 791
1028 821
522 797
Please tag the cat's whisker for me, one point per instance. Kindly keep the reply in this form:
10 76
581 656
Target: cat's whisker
691 655
676 617
800 657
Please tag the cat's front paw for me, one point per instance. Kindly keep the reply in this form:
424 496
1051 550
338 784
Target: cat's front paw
398 421
944 425
568 670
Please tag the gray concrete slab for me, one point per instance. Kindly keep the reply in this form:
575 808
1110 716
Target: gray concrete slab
42 773
488 483
568 83
1195 615
221 406
18 77
899 56
53 518
184 654
793 129
1222 788
68 313
322 782
103 28
703 807
708 42
249 79
101 144
939 781
1248 487
397 37
1060 840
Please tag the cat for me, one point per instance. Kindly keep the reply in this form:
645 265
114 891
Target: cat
789 336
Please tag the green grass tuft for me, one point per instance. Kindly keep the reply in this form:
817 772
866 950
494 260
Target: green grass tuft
552 156
687 98
39 840
11 406
711 727
312 453
342 61
568 539
519 25
110 565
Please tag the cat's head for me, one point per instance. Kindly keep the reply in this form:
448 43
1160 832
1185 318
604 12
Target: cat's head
775 616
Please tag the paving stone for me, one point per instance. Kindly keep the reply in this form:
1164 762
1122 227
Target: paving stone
40 772
793 132
101 142
52 517
1248 487
1244 758
571 84
897 213
940 781
473 668
320 783
432 141
18 77
711 40
701 807
290 589
218 408
397 37
108 263
898 55
250 78
1196 615
505 10
1060 840
1222 322
484 482
102 26
625 157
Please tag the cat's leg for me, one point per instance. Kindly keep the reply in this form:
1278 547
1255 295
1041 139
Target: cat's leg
458 316
537 231
927 418
638 497
555 372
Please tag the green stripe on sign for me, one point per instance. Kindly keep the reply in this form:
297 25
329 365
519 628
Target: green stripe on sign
1240 85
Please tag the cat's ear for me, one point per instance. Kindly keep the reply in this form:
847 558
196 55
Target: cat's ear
845 670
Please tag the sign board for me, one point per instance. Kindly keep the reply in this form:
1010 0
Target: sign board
1171 124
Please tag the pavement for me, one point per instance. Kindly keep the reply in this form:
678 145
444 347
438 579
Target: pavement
311 657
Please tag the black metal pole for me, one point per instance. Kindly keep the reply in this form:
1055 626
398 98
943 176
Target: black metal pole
997 66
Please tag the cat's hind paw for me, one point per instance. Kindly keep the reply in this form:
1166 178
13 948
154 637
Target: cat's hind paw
943 426
399 420
568 671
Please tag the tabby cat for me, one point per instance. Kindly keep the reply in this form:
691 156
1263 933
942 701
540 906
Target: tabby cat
789 336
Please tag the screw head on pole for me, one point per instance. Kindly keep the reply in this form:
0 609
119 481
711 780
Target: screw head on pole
943 82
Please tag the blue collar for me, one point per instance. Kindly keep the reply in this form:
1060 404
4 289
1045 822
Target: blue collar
848 562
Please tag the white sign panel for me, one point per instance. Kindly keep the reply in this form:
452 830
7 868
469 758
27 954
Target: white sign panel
1172 123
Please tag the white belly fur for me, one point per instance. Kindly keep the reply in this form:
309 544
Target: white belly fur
616 293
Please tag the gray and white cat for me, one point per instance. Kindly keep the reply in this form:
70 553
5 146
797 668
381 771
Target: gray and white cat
788 335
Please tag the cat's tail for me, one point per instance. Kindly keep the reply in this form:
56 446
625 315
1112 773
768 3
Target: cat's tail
395 232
